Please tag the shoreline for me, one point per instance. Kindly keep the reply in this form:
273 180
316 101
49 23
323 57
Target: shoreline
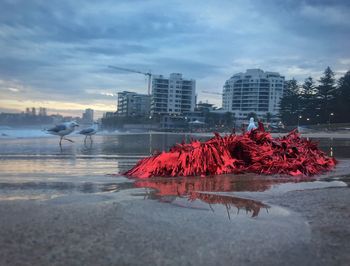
318 135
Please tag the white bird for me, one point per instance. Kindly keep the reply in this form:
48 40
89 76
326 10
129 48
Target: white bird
88 132
251 125
63 130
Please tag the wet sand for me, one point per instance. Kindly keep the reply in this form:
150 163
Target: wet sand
64 208
311 228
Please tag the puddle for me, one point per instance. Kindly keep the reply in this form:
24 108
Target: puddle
232 195
243 193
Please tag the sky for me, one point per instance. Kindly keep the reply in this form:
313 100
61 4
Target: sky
55 54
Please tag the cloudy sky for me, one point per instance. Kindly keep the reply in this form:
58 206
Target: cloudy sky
55 53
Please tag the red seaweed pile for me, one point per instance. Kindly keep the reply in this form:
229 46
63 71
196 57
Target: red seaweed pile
255 152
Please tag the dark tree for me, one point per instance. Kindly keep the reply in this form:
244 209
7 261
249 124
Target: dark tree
229 119
268 117
325 94
342 107
290 105
252 114
329 102
307 102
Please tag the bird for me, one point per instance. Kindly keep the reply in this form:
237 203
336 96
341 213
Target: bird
251 125
63 130
88 132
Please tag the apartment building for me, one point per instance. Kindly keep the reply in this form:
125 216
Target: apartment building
173 95
253 91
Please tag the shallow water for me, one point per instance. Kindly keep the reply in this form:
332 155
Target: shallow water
38 169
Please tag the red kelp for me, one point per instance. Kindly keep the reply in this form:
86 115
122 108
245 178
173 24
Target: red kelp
254 151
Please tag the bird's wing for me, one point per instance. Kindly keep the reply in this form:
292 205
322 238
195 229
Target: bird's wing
86 131
57 128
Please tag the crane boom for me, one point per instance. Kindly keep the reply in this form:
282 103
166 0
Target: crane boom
148 74
210 92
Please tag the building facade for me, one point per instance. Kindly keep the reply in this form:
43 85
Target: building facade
133 104
88 116
172 95
254 91
42 111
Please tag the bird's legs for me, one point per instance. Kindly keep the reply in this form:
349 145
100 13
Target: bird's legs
91 139
85 139
61 141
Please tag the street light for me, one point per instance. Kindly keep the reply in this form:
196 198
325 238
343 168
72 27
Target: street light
299 117
329 120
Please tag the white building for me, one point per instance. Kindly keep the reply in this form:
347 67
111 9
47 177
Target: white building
173 94
133 104
253 91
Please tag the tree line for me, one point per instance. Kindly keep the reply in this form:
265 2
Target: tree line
309 103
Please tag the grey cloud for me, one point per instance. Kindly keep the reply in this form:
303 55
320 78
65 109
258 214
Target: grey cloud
63 48
19 66
65 21
117 50
190 68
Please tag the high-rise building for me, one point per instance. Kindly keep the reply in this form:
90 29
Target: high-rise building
42 111
173 94
253 91
33 111
133 104
88 115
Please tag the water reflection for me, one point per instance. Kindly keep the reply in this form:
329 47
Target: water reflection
203 188
337 147
219 183
131 144
249 205
31 189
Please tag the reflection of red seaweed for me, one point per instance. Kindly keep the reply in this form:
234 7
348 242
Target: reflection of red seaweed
199 188
224 183
247 204
255 152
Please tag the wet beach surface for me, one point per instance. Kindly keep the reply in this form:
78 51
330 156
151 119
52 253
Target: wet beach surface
71 207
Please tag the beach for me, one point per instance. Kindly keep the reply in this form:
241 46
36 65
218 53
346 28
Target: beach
73 207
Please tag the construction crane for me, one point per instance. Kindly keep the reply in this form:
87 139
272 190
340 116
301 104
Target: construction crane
210 92
147 74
